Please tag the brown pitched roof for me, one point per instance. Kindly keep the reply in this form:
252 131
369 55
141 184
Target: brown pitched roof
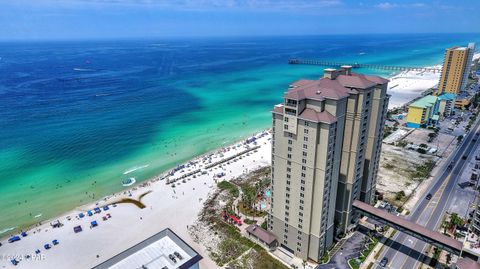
278 109
355 81
262 234
314 116
466 263
317 90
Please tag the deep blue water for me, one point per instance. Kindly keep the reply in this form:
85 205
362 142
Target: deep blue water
75 115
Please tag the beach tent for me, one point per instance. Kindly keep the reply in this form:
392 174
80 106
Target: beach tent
105 208
90 213
55 242
24 234
81 215
47 246
77 229
14 262
14 239
93 224
97 210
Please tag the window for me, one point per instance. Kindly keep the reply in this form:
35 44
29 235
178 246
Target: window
307 123
286 119
304 168
289 149
289 169
303 174
305 131
288 176
305 138
304 154
285 127
305 146
289 163
289 156
301 201
304 161
290 142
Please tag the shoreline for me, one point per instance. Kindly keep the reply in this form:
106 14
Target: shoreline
161 199
12 230
161 176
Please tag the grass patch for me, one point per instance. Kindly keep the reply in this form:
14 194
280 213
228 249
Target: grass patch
230 187
422 171
354 264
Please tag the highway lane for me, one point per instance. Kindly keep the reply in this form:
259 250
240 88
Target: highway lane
429 213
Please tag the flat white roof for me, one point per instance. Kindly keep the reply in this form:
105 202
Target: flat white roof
153 253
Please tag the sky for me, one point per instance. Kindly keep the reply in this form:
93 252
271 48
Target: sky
115 19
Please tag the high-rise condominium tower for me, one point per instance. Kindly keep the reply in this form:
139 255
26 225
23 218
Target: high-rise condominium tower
325 153
455 70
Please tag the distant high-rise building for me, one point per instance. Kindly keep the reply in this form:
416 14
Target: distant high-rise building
456 68
325 153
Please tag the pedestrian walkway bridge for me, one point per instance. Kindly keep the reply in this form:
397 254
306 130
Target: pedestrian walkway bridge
433 238
360 65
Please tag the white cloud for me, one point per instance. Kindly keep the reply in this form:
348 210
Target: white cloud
390 5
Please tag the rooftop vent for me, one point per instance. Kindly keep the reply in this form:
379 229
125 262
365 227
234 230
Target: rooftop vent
330 73
319 92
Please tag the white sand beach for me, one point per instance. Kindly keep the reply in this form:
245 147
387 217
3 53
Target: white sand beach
166 207
409 85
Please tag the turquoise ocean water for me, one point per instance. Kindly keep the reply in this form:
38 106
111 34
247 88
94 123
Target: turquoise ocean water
76 116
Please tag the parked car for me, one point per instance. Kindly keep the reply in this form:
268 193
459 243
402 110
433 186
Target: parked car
384 262
429 196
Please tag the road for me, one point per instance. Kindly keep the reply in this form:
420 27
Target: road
406 251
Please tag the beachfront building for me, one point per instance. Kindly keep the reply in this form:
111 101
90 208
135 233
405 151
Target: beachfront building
164 250
446 103
423 112
463 100
322 135
456 68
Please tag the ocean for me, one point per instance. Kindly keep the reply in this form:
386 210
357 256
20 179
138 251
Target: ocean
77 118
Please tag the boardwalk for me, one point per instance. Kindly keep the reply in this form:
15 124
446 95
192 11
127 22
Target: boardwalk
359 65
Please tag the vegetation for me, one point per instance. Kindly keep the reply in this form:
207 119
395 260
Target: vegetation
248 211
421 151
422 171
399 195
354 264
459 139
232 188
389 166
402 143
264 225
325 258
370 242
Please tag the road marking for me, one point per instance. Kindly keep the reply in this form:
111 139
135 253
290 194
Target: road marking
449 160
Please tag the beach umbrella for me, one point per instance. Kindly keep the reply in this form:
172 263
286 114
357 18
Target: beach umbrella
77 229
90 213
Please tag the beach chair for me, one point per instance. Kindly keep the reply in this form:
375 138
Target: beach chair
55 242
90 213
47 246
37 251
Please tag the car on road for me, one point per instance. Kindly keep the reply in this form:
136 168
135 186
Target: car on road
429 196
384 262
